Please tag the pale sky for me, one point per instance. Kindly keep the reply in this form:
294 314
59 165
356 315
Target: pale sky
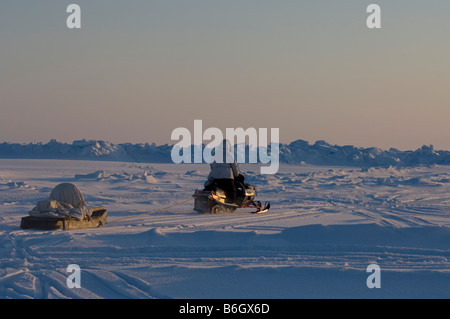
137 70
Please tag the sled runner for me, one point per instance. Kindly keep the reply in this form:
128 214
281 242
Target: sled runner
97 219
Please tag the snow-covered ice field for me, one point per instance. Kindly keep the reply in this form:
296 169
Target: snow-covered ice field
326 225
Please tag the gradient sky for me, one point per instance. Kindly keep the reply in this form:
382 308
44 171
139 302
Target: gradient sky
139 69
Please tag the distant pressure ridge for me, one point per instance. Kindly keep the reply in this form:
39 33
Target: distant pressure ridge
298 152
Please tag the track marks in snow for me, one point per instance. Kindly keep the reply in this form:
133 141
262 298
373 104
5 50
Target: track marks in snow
317 226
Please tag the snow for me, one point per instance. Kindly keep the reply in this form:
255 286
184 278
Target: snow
326 226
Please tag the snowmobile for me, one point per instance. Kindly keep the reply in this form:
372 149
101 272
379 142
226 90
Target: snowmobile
213 199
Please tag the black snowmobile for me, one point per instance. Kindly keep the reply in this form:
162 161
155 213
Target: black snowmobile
213 199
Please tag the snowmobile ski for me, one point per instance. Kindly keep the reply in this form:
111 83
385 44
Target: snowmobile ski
261 210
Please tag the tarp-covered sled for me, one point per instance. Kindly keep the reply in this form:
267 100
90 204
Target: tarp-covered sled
65 209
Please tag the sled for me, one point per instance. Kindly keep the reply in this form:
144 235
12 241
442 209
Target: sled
97 219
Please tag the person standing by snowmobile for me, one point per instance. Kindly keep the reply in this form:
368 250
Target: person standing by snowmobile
223 174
